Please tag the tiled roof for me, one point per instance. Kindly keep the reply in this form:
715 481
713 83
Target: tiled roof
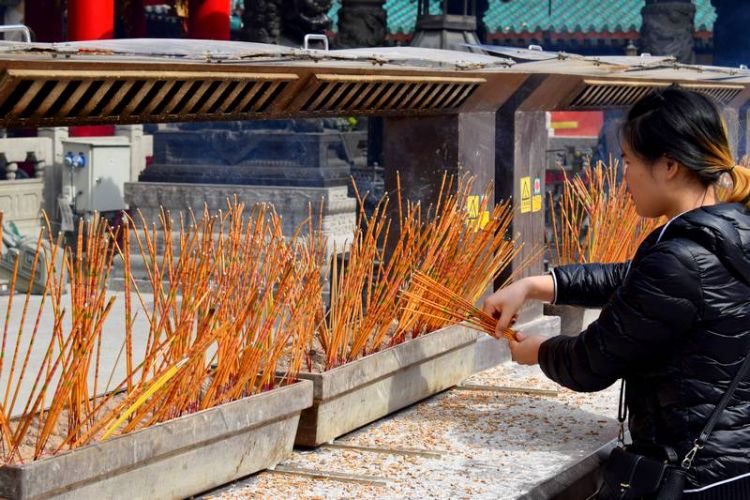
517 16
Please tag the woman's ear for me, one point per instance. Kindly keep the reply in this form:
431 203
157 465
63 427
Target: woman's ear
672 168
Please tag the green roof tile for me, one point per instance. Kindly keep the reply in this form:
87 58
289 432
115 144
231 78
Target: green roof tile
532 15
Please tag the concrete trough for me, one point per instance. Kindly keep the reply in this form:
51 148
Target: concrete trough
573 319
372 387
175 459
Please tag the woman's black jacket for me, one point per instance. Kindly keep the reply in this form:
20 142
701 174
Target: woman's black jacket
676 326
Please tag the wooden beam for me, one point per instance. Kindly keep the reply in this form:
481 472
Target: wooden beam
330 475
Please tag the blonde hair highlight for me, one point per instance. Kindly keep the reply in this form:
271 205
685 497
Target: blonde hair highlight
719 161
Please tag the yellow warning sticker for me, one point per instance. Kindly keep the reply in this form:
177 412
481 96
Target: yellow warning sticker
473 206
525 195
484 219
536 203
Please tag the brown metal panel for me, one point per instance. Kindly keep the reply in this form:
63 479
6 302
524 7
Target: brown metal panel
631 95
392 78
144 102
239 94
179 101
208 103
117 98
159 98
89 107
396 92
459 98
452 96
231 97
353 93
131 106
7 85
344 88
323 89
438 95
432 95
267 95
48 101
377 95
608 94
379 88
20 106
408 97
583 95
196 97
385 99
251 92
74 98
595 96
364 92
423 96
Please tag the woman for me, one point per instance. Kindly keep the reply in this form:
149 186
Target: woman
675 321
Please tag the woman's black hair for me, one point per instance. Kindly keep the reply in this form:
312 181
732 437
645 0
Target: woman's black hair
682 125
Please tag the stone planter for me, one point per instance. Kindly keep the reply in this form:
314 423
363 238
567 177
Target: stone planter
573 319
372 387
174 459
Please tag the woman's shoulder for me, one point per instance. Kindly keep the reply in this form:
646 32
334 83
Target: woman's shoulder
715 236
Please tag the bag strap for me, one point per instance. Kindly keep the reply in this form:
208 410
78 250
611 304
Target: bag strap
622 413
718 410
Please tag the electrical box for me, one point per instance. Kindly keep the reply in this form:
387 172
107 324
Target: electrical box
95 170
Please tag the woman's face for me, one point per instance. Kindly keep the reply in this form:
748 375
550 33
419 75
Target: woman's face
648 189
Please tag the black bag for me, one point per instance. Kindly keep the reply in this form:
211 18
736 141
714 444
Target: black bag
629 475
653 472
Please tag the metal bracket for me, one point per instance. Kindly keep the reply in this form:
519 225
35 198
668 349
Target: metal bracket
19 28
320 38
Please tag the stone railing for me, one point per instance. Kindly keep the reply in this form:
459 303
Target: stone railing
21 201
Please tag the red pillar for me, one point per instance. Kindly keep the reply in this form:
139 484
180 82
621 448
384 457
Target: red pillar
91 20
209 19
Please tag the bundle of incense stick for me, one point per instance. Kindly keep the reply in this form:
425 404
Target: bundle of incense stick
431 299
595 219
228 296
464 253
461 241
231 296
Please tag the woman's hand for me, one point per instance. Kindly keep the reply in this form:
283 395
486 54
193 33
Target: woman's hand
505 304
525 350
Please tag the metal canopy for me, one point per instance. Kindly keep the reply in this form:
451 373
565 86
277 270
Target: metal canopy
147 81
